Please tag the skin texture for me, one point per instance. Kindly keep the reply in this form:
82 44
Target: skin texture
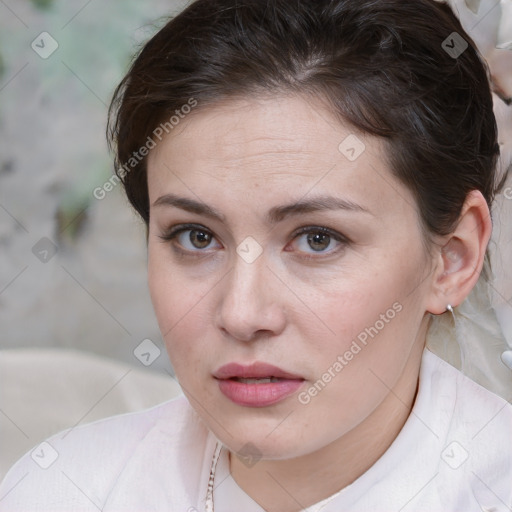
295 307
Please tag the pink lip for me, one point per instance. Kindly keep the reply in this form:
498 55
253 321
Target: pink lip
256 395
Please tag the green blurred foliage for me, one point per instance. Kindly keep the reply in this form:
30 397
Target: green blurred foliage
42 4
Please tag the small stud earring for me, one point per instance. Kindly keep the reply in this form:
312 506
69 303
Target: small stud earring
449 308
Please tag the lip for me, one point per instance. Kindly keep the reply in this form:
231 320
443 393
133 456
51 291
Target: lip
255 370
256 395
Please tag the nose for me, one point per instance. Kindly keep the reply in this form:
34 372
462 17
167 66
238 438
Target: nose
250 305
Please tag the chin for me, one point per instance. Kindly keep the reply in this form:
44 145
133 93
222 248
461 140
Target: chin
258 447
258 437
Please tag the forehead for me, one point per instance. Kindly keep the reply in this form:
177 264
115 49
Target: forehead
281 146
242 128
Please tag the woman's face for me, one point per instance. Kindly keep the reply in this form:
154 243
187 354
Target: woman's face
277 238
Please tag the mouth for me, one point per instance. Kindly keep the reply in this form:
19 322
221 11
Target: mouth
256 385
264 380
255 371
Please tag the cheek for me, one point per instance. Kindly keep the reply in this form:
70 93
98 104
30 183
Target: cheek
181 308
371 320
354 369
349 305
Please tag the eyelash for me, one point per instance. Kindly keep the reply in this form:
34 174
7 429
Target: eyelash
173 232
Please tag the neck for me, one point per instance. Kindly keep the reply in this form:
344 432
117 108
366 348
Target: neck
294 484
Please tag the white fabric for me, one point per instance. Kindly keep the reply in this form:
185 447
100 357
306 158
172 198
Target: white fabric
159 459
43 391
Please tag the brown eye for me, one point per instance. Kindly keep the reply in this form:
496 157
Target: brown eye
322 241
318 241
199 239
190 238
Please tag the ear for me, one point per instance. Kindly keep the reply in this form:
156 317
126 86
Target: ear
460 256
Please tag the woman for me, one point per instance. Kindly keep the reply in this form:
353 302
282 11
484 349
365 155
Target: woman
316 179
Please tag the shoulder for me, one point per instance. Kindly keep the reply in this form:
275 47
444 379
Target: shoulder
476 433
475 406
77 468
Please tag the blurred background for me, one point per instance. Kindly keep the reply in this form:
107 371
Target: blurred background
79 340
72 267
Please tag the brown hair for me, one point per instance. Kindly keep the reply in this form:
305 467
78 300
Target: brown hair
384 66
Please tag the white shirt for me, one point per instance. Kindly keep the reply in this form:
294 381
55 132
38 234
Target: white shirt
454 453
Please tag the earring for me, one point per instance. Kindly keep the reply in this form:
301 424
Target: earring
460 340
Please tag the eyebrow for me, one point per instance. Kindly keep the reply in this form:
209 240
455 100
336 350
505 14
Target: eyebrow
274 215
